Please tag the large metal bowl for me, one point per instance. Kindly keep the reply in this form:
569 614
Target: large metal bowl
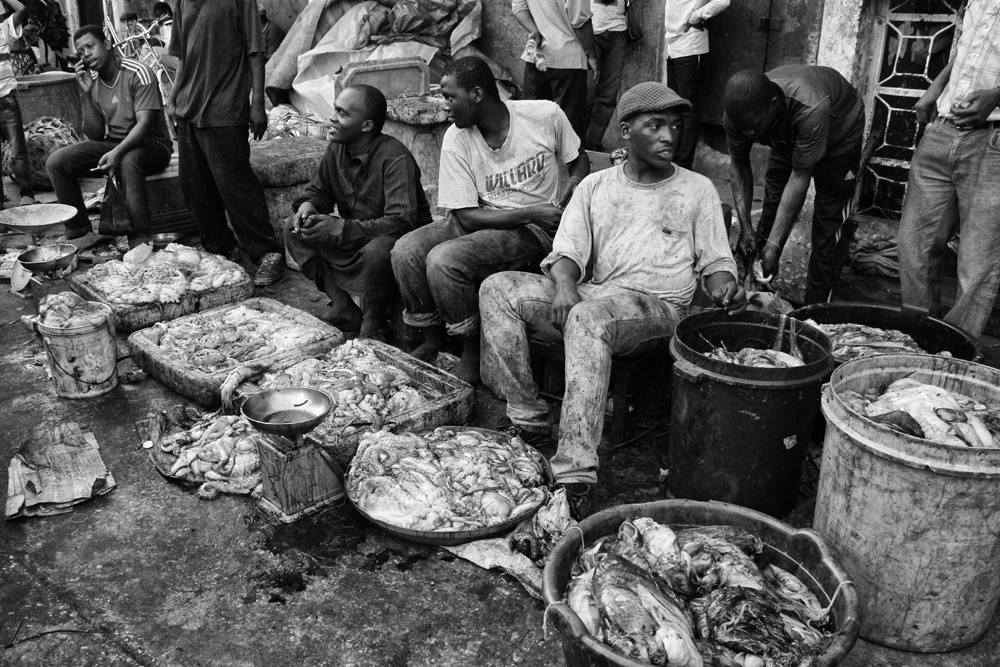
288 410
47 257
36 218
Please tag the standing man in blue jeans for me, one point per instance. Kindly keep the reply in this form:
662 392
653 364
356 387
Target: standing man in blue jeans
610 29
500 180
11 123
686 41
221 51
564 35
126 133
955 178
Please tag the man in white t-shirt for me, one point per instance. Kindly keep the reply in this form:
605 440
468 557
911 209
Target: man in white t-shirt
685 42
632 245
500 179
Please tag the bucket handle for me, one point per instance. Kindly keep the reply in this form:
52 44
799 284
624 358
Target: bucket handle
689 371
114 369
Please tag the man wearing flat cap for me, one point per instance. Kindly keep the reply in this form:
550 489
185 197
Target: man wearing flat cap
626 261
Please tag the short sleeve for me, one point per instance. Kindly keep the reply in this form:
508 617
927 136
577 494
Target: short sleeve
145 91
739 144
812 127
518 6
456 181
578 11
574 238
176 47
567 142
251 29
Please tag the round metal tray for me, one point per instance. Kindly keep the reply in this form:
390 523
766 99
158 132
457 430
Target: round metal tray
452 538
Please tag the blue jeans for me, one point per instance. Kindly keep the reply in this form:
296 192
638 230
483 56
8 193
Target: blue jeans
12 127
439 267
954 181
611 54
609 321
68 164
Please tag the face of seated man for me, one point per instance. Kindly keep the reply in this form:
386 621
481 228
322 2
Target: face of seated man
652 139
349 118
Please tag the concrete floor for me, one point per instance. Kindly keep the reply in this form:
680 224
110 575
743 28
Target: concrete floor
151 575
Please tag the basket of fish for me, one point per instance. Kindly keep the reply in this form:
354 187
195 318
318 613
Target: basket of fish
374 386
146 287
448 486
858 330
697 584
195 354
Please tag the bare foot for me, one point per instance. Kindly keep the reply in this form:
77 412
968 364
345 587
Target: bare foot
88 240
426 351
467 369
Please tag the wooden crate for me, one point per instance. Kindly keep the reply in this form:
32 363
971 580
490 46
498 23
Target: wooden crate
298 480
203 386
130 318
453 405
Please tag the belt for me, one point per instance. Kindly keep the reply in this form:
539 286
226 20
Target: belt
988 125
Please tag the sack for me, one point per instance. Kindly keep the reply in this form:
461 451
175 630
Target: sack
114 215
633 18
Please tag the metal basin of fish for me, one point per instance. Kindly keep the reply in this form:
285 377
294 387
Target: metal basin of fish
48 257
800 552
288 410
161 241
36 218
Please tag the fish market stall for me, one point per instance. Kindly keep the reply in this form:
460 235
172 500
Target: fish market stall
687 583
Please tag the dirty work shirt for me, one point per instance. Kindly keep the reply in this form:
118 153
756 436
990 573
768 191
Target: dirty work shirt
822 115
134 89
524 171
8 33
213 39
557 20
657 238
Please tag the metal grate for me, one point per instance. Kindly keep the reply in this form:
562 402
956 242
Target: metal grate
914 41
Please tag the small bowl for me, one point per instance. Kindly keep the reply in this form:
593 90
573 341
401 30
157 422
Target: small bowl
288 410
48 257
161 241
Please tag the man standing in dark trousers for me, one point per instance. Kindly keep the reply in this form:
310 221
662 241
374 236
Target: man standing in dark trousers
221 51
814 120
374 183
685 43
610 28
564 39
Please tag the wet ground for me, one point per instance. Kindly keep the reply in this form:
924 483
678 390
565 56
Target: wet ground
151 575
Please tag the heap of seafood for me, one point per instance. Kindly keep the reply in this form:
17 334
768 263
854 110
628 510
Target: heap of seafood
212 341
926 411
772 358
67 309
446 480
218 452
695 597
854 341
366 390
143 276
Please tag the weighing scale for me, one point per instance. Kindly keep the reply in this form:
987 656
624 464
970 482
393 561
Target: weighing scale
299 477
41 268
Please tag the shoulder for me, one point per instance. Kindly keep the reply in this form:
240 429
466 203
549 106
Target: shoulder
701 188
536 109
137 71
456 139
390 147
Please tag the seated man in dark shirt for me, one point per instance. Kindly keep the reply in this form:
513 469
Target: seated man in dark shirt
374 183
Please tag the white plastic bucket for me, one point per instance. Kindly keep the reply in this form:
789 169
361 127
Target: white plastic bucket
83 361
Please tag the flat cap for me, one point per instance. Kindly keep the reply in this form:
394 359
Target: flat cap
649 96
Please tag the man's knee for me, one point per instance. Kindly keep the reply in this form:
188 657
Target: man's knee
589 317
407 250
58 162
380 249
446 260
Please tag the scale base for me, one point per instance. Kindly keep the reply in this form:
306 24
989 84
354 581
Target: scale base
299 478
275 511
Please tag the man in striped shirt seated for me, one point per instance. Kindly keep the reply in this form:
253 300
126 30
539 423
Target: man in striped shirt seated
126 136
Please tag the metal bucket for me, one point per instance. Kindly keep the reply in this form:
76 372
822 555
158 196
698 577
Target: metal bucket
916 523
83 361
740 434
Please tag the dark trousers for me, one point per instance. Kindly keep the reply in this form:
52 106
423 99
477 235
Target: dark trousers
611 55
216 179
68 164
565 87
682 78
12 127
835 177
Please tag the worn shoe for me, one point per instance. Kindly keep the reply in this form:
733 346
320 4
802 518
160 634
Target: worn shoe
536 439
271 269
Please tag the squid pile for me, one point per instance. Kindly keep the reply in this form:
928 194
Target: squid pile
926 411
68 309
446 480
366 390
855 341
213 342
217 452
143 276
763 358
695 597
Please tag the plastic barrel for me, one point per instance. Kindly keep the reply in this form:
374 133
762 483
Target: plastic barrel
801 552
917 524
50 94
739 434
930 333
83 361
